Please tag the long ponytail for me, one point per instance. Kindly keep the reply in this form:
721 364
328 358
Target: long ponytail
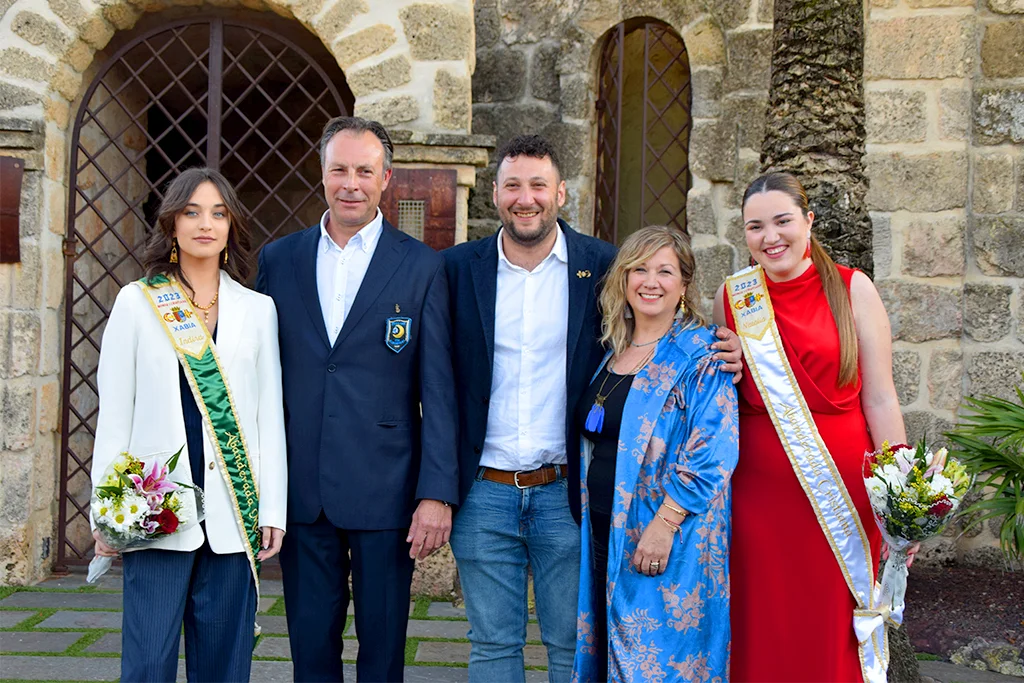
835 291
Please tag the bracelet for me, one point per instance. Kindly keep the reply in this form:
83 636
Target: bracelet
670 525
676 510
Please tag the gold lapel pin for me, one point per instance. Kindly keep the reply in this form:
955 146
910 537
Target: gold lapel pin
398 309
582 273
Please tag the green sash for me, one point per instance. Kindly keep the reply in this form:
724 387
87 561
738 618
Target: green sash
196 353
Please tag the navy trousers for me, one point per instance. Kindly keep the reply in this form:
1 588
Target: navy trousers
214 595
315 565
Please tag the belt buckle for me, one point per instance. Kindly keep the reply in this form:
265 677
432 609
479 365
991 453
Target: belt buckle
515 480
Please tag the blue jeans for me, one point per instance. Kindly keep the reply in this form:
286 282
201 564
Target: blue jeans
497 532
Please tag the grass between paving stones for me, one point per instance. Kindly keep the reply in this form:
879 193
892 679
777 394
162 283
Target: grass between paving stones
32 680
277 609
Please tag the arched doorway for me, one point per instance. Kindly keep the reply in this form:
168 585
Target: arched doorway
643 113
209 90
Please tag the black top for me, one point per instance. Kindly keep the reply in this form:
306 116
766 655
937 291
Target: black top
601 475
193 427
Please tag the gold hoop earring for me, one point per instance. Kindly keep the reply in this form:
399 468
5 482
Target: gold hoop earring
174 250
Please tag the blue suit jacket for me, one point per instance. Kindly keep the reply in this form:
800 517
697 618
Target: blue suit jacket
358 446
472 276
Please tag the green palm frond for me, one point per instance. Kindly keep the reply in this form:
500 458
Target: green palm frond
989 441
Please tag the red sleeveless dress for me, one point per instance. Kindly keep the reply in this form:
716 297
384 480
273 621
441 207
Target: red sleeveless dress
792 613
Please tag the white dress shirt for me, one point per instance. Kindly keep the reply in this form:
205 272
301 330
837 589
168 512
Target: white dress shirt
526 418
339 272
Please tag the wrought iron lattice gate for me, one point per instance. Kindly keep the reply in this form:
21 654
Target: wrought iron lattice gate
642 171
205 91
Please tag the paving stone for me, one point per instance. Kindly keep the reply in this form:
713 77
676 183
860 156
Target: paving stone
280 647
111 643
273 625
111 581
944 672
428 629
110 620
24 668
271 672
271 588
445 609
111 601
37 641
12 619
264 604
533 655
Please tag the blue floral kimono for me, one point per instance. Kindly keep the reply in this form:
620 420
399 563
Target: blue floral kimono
679 436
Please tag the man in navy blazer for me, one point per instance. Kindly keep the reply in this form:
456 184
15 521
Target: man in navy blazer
369 408
526 330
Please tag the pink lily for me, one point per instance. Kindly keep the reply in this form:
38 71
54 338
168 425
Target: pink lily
155 482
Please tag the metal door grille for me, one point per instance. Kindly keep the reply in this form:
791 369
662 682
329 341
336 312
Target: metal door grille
204 91
663 162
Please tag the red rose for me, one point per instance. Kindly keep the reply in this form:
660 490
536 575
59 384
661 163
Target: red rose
898 446
168 521
940 507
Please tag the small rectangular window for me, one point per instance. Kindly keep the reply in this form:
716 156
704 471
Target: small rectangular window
411 217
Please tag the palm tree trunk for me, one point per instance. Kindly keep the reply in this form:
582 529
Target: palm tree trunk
815 129
815 121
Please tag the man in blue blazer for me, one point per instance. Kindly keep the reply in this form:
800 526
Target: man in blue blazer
369 408
526 330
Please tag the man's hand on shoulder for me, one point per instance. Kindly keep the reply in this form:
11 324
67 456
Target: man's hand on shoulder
431 526
730 352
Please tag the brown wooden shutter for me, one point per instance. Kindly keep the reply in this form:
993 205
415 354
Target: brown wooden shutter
422 198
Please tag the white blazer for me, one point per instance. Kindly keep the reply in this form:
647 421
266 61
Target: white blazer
140 405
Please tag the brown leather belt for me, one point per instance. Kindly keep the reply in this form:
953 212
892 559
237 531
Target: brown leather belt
524 479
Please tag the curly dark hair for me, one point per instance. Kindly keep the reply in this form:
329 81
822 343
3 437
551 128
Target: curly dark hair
156 256
533 146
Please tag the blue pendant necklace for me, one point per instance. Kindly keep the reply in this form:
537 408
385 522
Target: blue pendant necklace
595 418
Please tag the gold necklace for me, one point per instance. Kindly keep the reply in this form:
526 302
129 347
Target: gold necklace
595 418
206 309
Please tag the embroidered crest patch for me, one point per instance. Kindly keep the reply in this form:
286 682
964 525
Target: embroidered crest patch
398 333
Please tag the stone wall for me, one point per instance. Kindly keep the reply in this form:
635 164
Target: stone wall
407 63
945 125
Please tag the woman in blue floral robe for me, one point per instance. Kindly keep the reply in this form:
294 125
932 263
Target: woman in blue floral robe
667 608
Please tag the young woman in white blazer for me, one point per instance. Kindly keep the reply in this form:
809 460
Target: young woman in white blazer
204 576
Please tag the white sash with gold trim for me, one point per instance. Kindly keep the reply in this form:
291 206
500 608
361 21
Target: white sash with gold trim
769 367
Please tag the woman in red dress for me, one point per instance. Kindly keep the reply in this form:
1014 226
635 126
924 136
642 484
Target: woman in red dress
792 612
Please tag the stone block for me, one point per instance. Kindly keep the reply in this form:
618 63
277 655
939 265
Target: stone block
920 312
731 13
71 12
576 98
25 330
96 32
994 373
18 63
881 244
572 142
67 82
504 121
40 31
452 101
390 110
916 182
928 426
937 551
998 245
55 600
18 413
895 116
487 24
700 213
121 16
478 229
544 76
921 46
446 610
934 247
31 204
993 183
500 76
945 379
714 264
56 668
705 44
705 92
531 21
12 619
1020 185
713 150
954 113
17 488
366 43
749 59
906 374
940 3
437 32
14 96
1002 49
746 115
1006 6
387 75
987 311
79 56
338 17
999 115
435 576
56 109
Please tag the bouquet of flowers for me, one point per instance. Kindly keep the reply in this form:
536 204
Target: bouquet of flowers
137 504
914 493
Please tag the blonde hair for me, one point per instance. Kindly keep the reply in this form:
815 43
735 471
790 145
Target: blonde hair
616 328
835 290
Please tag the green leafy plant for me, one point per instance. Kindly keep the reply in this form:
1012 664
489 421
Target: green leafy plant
989 441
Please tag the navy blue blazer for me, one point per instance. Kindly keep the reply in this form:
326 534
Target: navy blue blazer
472 277
358 446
